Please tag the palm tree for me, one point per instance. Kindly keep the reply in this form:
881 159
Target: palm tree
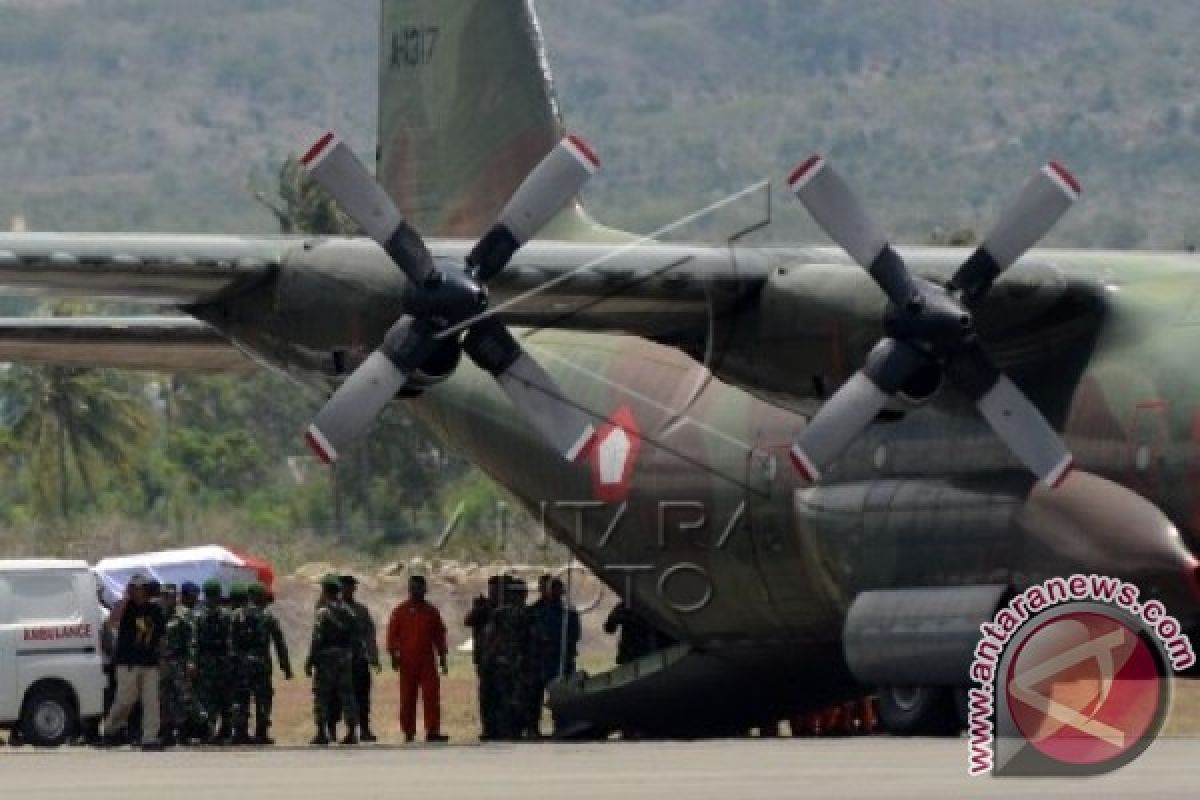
301 206
65 422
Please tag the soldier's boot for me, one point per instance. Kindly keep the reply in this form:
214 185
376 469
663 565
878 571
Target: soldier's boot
332 731
240 736
351 737
367 735
321 738
168 738
261 734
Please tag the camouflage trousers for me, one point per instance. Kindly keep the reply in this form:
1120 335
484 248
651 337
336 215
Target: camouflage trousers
514 692
333 688
213 691
252 685
181 709
489 701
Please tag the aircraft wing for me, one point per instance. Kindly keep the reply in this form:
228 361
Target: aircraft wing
169 269
166 344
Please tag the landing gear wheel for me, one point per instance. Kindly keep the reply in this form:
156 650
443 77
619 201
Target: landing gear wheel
49 718
962 707
918 711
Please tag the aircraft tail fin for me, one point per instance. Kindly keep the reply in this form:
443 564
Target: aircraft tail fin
466 110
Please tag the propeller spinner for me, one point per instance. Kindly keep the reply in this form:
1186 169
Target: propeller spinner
931 326
446 300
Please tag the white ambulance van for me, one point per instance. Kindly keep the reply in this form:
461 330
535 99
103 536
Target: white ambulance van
51 676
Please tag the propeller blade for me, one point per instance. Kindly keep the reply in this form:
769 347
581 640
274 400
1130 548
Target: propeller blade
1035 210
1012 415
566 427
843 417
338 170
852 408
360 398
835 208
1017 421
540 197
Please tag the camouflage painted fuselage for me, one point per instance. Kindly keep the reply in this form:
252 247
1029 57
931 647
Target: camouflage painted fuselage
927 497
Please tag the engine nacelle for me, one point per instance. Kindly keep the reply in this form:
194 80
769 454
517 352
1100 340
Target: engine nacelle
917 637
813 327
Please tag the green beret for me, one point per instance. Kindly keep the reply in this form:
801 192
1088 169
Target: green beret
238 590
331 582
212 587
256 589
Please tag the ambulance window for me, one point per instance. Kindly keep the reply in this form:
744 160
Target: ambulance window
37 598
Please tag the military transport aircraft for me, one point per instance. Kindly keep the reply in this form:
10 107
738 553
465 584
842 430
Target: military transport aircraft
816 468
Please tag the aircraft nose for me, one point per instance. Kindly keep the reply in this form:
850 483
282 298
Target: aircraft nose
1191 576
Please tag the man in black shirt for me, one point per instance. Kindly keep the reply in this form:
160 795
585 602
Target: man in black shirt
477 619
140 625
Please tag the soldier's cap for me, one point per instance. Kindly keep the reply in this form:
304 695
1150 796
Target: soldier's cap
137 579
331 582
256 589
170 588
349 580
238 590
212 587
189 588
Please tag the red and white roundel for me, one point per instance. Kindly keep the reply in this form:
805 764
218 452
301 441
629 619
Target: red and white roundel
614 455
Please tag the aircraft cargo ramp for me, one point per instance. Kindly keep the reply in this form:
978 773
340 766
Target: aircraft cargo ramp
686 692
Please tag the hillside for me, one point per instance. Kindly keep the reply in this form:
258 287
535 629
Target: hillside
152 113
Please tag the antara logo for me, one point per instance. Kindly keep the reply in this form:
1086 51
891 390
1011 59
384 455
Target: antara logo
614 455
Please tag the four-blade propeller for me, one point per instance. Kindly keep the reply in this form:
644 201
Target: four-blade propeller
929 328
447 299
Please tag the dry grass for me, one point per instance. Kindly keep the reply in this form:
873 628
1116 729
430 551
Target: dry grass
293 703
1184 718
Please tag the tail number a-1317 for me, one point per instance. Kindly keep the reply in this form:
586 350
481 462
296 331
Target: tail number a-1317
414 46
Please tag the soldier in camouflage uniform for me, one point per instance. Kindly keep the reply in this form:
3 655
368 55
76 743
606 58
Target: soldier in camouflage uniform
514 657
262 687
330 662
181 711
213 663
531 687
167 705
244 631
366 655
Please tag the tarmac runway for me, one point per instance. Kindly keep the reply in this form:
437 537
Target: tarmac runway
723 770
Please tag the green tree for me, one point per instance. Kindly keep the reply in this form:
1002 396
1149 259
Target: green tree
65 423
300 205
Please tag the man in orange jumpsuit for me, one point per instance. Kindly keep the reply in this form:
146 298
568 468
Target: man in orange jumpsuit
416 636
